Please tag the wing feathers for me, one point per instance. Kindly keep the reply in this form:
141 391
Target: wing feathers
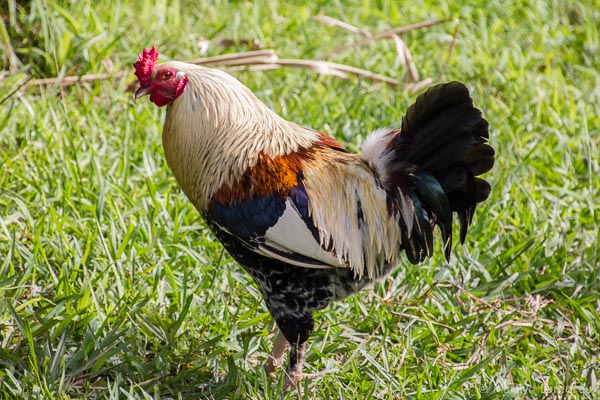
290 237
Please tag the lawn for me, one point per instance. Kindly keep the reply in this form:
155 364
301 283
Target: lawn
111 285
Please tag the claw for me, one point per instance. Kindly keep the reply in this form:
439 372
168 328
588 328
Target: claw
292 379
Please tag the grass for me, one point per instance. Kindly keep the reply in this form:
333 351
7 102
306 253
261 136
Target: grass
112 287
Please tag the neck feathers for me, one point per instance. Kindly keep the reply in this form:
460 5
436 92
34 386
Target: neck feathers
217 129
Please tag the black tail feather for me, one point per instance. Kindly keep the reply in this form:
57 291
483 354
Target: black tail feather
443 136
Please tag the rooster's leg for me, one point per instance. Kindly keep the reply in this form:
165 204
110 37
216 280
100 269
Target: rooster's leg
296 327
276 358
293 373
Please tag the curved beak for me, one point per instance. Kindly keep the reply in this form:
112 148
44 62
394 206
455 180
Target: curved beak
141 92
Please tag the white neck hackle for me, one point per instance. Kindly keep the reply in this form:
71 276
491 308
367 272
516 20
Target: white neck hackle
216 130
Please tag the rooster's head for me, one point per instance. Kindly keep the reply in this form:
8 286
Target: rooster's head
162 84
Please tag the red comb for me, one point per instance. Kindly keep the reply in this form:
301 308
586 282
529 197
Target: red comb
143 68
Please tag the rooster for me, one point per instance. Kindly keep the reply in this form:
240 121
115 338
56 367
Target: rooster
309 221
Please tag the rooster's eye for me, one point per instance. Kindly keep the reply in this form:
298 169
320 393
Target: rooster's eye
165 75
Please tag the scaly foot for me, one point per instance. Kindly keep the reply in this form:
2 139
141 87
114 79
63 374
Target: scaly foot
276 358
293 373
292 379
